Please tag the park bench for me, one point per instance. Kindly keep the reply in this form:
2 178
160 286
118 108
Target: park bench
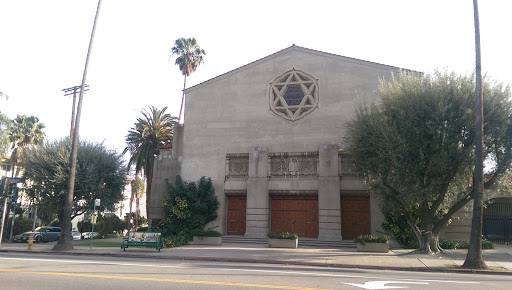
143 239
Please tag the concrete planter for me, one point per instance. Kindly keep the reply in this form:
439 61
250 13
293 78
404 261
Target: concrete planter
283 243
373 247
207 240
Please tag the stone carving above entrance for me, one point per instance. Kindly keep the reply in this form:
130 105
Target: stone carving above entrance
237 165
293 95
303 164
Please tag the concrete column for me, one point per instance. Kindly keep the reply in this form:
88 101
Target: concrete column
329 194
257 213
164 168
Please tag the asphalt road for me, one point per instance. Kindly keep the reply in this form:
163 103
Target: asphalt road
29 271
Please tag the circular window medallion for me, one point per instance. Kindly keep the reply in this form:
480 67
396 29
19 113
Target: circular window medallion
293 95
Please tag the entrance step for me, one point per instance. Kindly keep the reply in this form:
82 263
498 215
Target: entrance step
303 242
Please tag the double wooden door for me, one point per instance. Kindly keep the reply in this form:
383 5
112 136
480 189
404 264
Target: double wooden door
295 214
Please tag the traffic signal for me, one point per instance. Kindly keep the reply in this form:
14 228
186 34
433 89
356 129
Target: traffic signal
13 189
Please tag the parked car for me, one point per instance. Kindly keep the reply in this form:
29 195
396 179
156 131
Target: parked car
41 234
89 235
76 235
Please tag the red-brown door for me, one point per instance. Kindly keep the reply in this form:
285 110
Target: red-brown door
355 216
236 215
295 214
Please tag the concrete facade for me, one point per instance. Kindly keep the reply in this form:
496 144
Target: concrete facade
250 132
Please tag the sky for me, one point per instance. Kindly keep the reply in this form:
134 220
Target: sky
43 47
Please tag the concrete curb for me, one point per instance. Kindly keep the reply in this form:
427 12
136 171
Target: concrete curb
266 261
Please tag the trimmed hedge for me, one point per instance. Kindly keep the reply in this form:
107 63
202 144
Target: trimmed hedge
282 235
371 239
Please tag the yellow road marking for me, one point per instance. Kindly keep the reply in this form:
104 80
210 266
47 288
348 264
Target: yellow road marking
159 280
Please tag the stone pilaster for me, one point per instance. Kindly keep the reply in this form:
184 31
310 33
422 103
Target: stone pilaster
257 213
164 167
329 212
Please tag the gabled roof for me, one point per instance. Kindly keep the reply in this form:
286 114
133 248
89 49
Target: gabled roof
287 50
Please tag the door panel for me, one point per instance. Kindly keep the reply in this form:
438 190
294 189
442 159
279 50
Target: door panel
355 216
295 214
236 218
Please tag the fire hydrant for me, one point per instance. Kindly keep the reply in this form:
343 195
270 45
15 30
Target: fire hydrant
30 241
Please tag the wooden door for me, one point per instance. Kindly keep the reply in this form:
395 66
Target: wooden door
355 216
236 215
295 214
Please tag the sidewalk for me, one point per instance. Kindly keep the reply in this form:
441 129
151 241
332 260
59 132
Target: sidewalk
404 260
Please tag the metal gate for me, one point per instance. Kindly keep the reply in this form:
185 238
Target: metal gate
497 226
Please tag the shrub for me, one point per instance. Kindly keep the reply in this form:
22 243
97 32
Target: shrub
487 245
396 224
463 245
371 239
210 233
189 207
108 225
283 235
142 229
176 241
21 225
447 244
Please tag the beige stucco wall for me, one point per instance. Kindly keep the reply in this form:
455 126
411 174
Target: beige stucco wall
230 114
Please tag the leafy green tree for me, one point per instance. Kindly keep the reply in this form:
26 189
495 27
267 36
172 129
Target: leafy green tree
100 174
24 131
106 225
189 207
144 140
188 58
416 147
4 137
4 127
21 225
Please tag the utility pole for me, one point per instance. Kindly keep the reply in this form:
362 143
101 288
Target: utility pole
73 91
64 243
3 188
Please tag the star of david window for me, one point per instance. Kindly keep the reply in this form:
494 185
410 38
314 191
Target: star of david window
293 95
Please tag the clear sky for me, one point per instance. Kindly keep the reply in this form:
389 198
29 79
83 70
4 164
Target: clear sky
43 46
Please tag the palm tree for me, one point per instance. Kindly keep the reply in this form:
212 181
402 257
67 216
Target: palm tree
474 259
189 57
137 191
150 132
24 131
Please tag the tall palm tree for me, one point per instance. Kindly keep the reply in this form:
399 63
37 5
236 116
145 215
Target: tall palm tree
152 131
188 57
474 259
138 195
24 131
137 191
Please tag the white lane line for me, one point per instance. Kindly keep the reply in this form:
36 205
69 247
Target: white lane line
231 269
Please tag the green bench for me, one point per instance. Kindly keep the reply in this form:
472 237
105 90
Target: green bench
143 239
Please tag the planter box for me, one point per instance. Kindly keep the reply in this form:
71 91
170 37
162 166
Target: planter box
207 240
283 243
373 247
